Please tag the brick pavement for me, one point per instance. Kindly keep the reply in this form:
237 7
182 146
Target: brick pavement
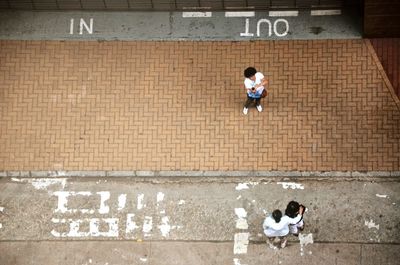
178 106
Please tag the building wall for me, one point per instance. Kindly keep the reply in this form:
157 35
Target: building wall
381 18
388 51
152 5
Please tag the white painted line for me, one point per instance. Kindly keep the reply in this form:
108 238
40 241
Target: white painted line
241 243
165 227
104 196
325 12
304 241
147 226
160 197
130 223
240 14
371 224
196 14
121 201
140 204
241 222
291 185
283 13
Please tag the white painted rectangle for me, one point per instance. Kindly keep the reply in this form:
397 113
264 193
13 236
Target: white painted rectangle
294 13
196 14
240 14
241 242
325 12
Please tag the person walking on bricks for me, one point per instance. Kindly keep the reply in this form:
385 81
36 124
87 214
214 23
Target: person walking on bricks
254 83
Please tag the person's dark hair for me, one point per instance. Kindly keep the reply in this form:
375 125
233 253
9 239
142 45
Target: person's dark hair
249 72
277 215
292 209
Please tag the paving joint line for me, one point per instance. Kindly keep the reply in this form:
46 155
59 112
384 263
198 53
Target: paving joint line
257 242
201 173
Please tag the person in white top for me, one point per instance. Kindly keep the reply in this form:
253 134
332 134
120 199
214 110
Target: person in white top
254 84
276 226
292 210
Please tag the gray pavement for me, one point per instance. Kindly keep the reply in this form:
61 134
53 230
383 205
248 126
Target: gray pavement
207 253
195 220
28 25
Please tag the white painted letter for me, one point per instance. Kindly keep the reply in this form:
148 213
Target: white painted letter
104 195
83 24
286 24
269 27
121 201
71 26
147 226
247 34
130 224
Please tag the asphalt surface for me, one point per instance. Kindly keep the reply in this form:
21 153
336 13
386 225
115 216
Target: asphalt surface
26 25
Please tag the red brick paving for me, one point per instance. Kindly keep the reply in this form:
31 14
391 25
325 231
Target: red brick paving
178 106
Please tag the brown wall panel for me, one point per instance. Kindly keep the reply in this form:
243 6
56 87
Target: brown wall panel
388 51
382 18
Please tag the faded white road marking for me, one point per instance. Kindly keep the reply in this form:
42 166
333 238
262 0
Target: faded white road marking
304 241
291 185
121 201
371 224
240 14
241 243
130 223
236 261
241 222
147 226
62 203
140 204
283 13
165 227
381 196
196 14
160 197
42 183
104 196
245 185
94 227
325 12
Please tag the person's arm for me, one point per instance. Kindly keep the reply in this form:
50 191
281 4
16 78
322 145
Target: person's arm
298 217
264 82
249 88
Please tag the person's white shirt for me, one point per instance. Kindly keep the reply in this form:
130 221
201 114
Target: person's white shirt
273 229
248 83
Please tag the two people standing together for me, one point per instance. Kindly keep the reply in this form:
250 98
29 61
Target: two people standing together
277 227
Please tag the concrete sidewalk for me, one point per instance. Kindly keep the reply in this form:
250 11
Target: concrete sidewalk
178 106
193 220
183 253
